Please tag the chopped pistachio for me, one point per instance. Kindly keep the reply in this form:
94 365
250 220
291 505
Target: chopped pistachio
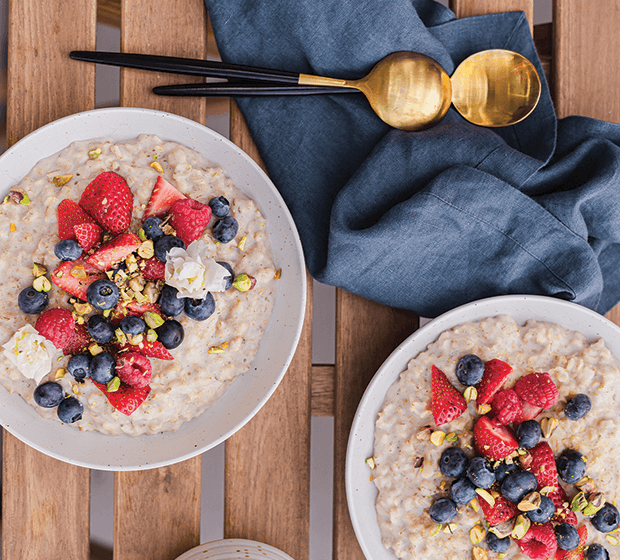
244 282
151 335
596 501
216 350
452 437
547 490
476 534
613 541
438 437
579 502
370 462
470 393
113 385
94 154
135 340
548 426
450 528
60 373
107 312
502 555
137 284
17 195
78 271
121 337
42 284
132 263
480 553
483 409
152 319
95 349
435 530
525 461
424 434
82 308
474 505
418 462
38 270
146 250
242 242
157 166
278 274
61 180
141 234
530 502
486 496
521 526
502 530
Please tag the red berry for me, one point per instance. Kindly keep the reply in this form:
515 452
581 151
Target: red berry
492 440
109 200
152 269
577 553
88 235
495 374
134 369
70 215
528 412
149 349
506 407
126 399
57 325
113 251
502 510
75 276
537 389
540 542
78 342
162 197
447 403
189 218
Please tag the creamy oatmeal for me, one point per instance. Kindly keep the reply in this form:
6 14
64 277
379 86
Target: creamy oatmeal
214 351
406 488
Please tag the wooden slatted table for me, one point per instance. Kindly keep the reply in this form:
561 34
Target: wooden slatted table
157 512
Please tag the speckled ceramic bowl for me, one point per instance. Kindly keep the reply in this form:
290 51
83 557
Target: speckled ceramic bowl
234 549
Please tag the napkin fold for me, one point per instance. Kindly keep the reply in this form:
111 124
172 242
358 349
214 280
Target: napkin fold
433 219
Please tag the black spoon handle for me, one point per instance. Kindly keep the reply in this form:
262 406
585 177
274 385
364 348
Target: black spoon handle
253 89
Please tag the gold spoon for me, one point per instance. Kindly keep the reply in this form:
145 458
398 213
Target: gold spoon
411 91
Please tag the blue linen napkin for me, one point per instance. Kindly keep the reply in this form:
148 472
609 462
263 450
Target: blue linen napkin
433 219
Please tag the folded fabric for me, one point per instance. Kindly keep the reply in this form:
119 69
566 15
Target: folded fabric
433 219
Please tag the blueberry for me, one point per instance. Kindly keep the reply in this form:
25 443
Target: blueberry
596 552
606 519
49 394
225 229
220 206
469 370
480 472
70 410
463 491
169 303
528 434
453 462
504 469
102 368
567 536
545 511
571 466
133 325
100 328
578 407
164 244
200 309
119 271
496 544
152 228
68 250
32 302
517 485
170 334
443 510
229 279
79 366
102 294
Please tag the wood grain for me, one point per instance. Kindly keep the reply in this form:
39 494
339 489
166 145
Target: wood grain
468 8
323 382
41 494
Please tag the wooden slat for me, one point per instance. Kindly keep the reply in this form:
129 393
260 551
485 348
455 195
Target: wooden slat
41 494
467 8
157 512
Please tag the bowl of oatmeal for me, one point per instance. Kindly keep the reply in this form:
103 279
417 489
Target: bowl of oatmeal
234 349
392 466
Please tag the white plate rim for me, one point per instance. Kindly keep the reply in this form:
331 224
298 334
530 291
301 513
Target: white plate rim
224 545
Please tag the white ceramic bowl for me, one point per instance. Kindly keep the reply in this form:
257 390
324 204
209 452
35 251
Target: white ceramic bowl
234 549
361 492
249 392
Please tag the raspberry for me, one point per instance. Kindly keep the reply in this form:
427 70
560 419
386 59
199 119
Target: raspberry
539 542
189 218
506 407
57 325
134 369
537 389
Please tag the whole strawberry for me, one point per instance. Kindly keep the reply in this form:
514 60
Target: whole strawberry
108 200
447 403
134 369
57 325
189 218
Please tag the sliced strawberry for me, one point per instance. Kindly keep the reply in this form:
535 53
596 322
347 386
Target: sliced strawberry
78 342
70 214
563 513
493 440
115 250
495 375
537 389
126 399
528 412
75 276
539 543
189 218
134 309
162 198
506 406
501 511
56 324
578 552
447 403
152 269
88 235
108 200
150 349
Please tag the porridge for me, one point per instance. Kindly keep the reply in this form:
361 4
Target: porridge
483 449
138 280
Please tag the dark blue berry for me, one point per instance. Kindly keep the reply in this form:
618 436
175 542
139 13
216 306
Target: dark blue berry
443 510
133 325
496 544
170 334
225 229
229 279
517 485
164 244
528 434
469 370
169 303
571 466
119 272
578 407
79 366
480 472
504 469
606 519
100 328
102 294
463 491
567 536
544 512
453 462
152 228
48 394
32 302
70 410
68 250
219 206
102 368
596 552
200 309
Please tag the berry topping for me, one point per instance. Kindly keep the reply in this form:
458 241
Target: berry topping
113 251
496 544
79 366
78 342
103 294
567 536
108 200
88 235
70 215
32 302
169 303
200 309
70 410
578 407
606 519
150 349
578 552
528 434
443 510
74 277
133 325
502 510
102 368
539 543
225 229
596 552
469 370
453 462
164 244
537 389
463 491
189 218
48 394
56 325
100 328
152 228
504 469
517 485
495 374
170 334
134 369
220 206
68 250
152 269
571 466
528 412
492 440
480 472
543 465
447 403
126 399
506 407
544 512
162 198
